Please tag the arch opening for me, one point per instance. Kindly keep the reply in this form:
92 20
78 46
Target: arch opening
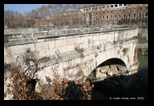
109 68
119 85
112 61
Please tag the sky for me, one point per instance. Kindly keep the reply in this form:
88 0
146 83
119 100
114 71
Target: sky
22 7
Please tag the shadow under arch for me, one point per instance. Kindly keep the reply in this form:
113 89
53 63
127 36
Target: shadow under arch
108 68
112 61
121 86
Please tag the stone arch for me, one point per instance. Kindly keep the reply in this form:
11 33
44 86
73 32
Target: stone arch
112 61
108 68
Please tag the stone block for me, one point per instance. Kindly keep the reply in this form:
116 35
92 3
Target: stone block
70 63
5 51
70 48
44 53
41 46
77 60
70 41
86 58
90 37
15 50
96 37
96 42
85 42
60 42
110 38
62 49
65 64
51 44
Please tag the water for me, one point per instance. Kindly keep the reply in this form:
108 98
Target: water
143 67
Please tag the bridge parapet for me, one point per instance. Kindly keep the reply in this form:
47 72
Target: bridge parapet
31 37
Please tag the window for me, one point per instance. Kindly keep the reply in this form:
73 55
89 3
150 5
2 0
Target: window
90 16
139 15
107 6
124 15
115 16
120 5
90 23
147 14
111 16
96 22
134 15
125 4
119 16
140 8
129 15
115 5
107 16
111 5
96 17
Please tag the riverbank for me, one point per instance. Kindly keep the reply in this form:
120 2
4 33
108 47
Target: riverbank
142 49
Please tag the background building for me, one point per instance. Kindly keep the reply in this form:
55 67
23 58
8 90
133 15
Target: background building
104 15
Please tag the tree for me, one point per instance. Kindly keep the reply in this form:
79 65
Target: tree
15 19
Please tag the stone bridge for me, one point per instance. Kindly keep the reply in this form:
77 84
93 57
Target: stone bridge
70 51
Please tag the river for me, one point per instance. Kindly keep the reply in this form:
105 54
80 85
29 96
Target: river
143 67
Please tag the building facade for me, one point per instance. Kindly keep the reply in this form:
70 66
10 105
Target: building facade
104 15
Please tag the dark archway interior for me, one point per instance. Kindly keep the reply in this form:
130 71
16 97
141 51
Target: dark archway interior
112 61
117 86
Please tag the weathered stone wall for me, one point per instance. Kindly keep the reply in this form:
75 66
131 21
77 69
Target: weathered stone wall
143 35
67 55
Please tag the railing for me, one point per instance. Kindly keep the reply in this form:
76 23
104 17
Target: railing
57 32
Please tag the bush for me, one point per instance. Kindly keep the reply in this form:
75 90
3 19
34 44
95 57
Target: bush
61 89
23 86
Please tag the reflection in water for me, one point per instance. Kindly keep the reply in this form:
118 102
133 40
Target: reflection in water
143 67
